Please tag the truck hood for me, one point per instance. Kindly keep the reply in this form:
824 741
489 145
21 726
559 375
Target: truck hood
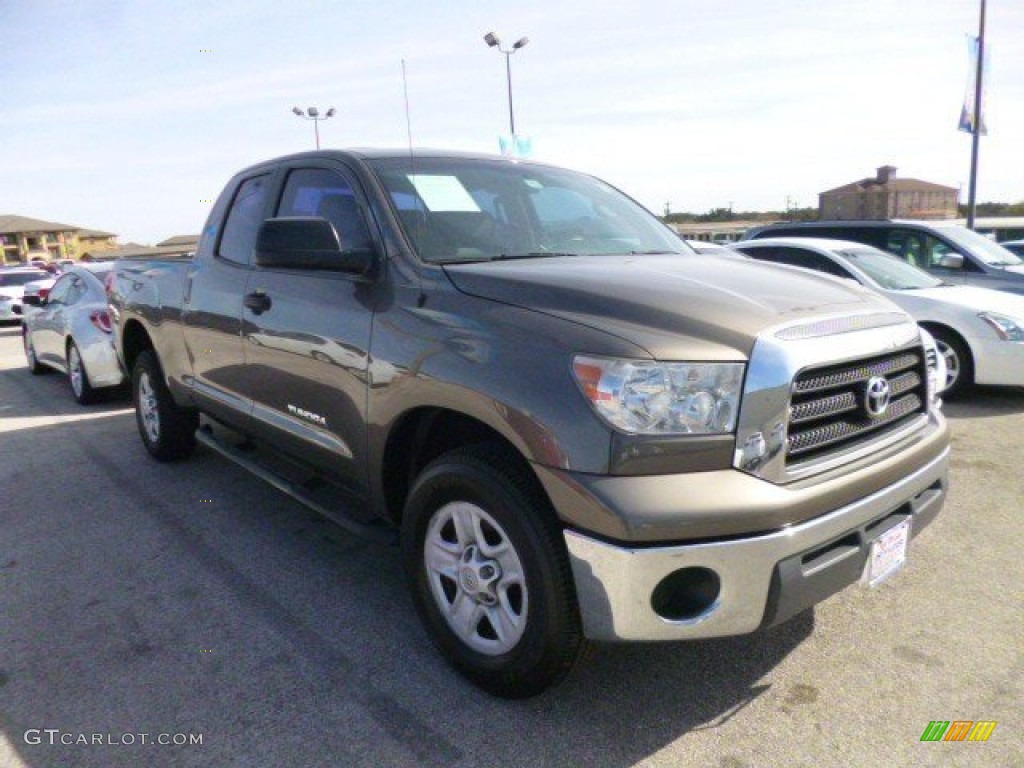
675 306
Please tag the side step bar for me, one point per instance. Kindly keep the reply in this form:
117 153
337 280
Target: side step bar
378 531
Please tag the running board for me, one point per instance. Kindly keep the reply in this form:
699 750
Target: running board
378 531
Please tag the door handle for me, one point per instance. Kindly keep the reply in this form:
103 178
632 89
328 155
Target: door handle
257 301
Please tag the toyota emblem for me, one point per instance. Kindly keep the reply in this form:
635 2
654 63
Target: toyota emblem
876 398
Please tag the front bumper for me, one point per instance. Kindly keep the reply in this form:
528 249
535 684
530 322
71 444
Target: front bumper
998 362
762 579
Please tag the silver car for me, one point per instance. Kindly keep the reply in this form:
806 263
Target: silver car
71 332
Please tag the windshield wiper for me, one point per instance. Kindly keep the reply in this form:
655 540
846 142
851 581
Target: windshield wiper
531 255
655 253
507 257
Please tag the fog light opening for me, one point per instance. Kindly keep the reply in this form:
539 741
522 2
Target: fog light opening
686 594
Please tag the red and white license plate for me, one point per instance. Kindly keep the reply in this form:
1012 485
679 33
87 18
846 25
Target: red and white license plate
888 554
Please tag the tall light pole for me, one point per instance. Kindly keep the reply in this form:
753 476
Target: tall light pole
312 113
493 41
976 133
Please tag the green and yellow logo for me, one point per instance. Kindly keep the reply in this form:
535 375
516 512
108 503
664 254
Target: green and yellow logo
958 730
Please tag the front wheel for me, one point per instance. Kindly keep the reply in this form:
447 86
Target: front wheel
168 431
489 572
34 366
959 363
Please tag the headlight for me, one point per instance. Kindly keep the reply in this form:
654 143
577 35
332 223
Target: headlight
1007 328
936 364
653 398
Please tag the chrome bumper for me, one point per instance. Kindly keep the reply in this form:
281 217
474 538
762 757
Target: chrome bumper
614 584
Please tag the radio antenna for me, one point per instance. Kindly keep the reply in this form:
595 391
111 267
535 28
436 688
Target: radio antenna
422 298
408 122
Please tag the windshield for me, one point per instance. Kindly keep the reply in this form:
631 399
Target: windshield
888 271
989 251
456 209
19 278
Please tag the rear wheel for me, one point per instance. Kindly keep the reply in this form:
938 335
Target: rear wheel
489 572
78 378
168 431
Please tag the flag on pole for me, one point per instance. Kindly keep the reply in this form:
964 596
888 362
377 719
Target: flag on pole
516 146
969 112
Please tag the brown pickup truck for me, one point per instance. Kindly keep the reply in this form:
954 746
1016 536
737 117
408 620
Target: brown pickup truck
576 427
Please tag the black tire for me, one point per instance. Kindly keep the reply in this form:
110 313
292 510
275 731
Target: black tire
34 366
78 379
171 436
489 479
955 351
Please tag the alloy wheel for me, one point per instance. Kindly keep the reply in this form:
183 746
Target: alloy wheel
148 408
476 578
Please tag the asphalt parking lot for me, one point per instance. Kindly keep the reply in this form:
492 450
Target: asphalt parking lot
191 599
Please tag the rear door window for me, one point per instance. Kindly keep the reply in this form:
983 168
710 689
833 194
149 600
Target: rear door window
798 257
244 219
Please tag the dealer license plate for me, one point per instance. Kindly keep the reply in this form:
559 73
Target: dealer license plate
888 554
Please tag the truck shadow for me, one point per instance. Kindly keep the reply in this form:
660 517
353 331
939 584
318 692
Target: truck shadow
984 402
193 598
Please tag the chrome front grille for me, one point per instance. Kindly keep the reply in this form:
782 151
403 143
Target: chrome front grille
831 407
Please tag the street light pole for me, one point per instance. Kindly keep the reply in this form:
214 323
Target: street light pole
508 77
312 113
976 133
493 41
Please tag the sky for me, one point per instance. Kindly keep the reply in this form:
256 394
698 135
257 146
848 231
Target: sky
129 117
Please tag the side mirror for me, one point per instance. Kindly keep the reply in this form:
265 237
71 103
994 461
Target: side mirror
951 261
32 301
308 242
16 309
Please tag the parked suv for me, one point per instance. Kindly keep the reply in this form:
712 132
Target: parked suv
946 250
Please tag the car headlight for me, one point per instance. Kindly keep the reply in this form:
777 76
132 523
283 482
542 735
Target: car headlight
1007 328
652 398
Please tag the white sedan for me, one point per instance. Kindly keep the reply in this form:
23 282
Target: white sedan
980 332
12 286
71 332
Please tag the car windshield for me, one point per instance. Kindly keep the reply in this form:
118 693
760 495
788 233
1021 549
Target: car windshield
888 271
457 210
989 251
19 278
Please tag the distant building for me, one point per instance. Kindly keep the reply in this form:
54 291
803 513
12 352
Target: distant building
887 197
23 238
134 250
713 231
192 241
95 240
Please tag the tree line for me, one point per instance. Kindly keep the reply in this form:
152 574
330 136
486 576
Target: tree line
811 214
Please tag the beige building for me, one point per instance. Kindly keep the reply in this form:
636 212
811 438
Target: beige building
23 238
188 242
887 197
